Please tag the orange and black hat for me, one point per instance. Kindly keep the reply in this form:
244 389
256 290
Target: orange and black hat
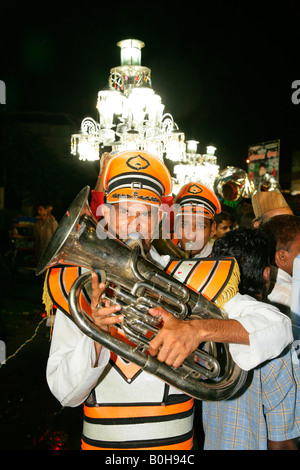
138 176
196 198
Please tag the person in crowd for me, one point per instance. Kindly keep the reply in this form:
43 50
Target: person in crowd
267 204
285 229
44 228
246 219
224 223
265 415
195 207
232 211
244 212
82 371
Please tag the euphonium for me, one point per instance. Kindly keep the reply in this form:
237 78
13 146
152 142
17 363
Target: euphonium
137 284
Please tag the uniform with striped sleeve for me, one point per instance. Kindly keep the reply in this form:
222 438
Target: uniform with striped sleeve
124 407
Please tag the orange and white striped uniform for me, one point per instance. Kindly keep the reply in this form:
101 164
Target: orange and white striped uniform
131 409
127 408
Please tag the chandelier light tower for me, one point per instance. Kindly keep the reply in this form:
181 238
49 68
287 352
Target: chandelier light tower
196 167
131 116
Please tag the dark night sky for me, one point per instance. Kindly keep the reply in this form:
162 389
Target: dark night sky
223 69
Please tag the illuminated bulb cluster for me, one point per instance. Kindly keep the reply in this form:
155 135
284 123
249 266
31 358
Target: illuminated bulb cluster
201 168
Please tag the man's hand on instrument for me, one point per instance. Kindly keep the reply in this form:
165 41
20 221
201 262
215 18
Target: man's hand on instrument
176 340
102 311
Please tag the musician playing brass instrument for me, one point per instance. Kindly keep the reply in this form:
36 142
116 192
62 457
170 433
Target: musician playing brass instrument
126 408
